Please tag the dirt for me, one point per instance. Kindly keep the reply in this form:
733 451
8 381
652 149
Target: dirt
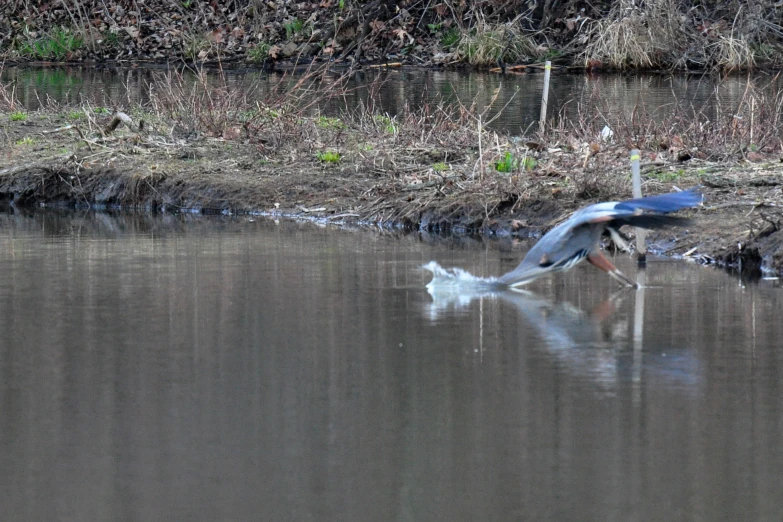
385 183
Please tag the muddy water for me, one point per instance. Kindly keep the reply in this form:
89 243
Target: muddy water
511 102
177 368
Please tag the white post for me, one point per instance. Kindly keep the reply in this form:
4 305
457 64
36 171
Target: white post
544 96
638 337
641 248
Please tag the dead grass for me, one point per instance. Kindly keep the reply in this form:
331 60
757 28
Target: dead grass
677 35
731 53
485 44
715 131
637 36
8 100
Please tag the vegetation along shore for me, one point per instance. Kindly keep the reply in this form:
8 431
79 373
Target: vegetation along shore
205 147
201 144
619 34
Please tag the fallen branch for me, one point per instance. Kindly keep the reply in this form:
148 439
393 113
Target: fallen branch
121 117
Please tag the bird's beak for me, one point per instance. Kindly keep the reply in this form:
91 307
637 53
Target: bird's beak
523 282
517 280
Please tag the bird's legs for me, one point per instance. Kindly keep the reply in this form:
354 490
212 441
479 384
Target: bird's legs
597 259
618 239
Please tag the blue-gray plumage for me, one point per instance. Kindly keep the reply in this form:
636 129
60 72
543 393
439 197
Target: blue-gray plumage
578 237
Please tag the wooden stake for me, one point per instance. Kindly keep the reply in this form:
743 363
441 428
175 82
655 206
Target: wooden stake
544 96
641 247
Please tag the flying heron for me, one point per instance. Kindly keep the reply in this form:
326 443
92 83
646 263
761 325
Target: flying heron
577 237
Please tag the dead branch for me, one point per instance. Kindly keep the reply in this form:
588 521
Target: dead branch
121 117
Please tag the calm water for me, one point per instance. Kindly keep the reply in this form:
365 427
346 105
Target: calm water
177 368
512 101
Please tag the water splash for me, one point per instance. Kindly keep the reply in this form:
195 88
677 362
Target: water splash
454 289
460 280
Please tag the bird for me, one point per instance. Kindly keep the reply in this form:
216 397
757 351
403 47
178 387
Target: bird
578 237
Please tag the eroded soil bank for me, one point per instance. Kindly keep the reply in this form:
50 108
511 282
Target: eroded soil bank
380 179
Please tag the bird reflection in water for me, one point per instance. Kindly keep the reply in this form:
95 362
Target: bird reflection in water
561 324
603 343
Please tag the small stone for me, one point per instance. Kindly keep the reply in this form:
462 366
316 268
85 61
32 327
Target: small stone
290 49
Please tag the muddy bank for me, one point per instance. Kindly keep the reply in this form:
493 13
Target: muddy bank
391 181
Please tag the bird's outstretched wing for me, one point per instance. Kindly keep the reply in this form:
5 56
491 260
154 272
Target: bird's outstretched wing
663 203
647 212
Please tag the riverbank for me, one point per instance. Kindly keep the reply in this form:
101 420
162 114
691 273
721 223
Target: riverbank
432 172
655 34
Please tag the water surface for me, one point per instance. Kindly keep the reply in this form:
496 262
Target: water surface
180 368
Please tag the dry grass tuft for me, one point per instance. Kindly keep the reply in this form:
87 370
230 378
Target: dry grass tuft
636 36
486 43
8 101
731 53
207 103
669 34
